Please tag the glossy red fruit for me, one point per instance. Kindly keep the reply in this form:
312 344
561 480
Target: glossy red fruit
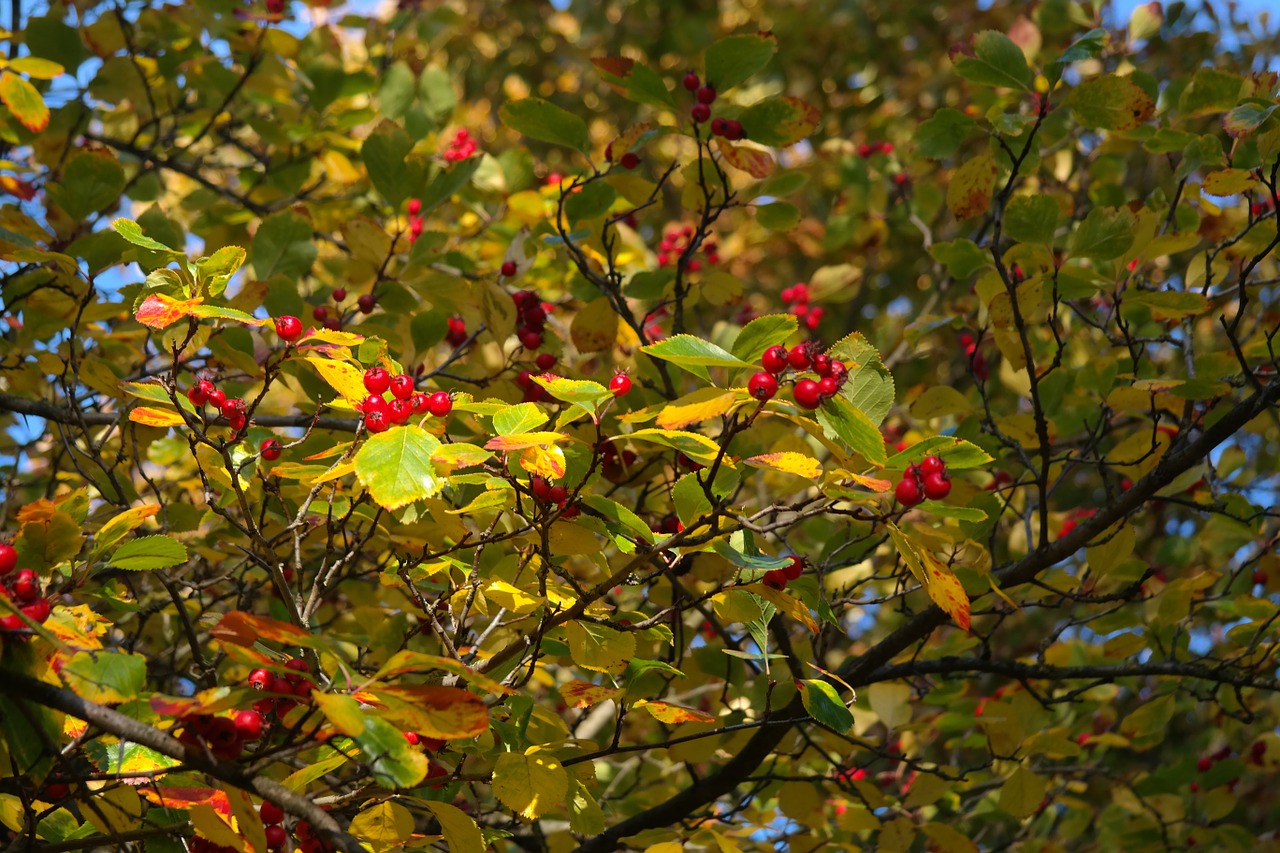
734 130
402 386
400 411
1259 578
775 359
217 397
541 488
799 358
277 837
419 403
339 294
535 317
271 814
828 386
432 744
794 569
377 380
932 465
303 689
571 511
198 394
38 610
440 404
377 421
719 127
270 449
8 558
289 328
937 485
374 403
530 339
762 386
706 94
320 313
692 81
237 421
366 302
620 385
1204 763
774 579
414 207
233 406
26 586
908 491
56 791
807 394
508 269
558 495
700 113
260 679
249 725
412 737
629 160
545 361
822 364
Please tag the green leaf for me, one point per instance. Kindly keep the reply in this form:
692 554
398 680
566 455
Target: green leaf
105 677
869 386
460 830
961 257
762 333
618 517
448 183
147 553
89 183
26 729
1110 102
530 785
435 90
132 231
397 91
396 468
942 135
24 101
997 62
732 60
779 216
956 452
383 153
1022 793
1248 117
846 423
696 446
592 201
283 245
823 704
1031 219
1087 46
393 762
637 81
1105 234
1166 304
779 122
688 352
522 417
1211 92
588 395
215 270
543 120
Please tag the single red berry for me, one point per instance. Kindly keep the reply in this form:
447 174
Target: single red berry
260 679
249 725
289 328
366 302
828 386
275 7
734 130
524 300
419 403
706 94
26 586
774 579
798 357
762 386
775 359
937 485
865 150
12 622
822 365
545 361
440 404
303 689
277 838
557 495
692 81
339 294
629 160
700 113
38 610
377 421
377 380
530 339
232 406
1259 578
535 317
56 791
719 127
399 411
932 465
508 269
1204 763
412 738
402 386
271 814
320 313
620 385
902 179
297 665
333 324
374 403
908 492
807 394
8 558
794 569
217 397
237 421
541 488
525 379
198 394
270 449
571 511
886 147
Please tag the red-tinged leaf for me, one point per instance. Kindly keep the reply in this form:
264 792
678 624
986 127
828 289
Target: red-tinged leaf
618 66
789 462
245 629
756 162
945 588
407 660
151 416
24 101
15 187
872 483
205 702
448 713
780 122
584 694
523 440
544 461
184 798
667 713
970 189
160 311
630 137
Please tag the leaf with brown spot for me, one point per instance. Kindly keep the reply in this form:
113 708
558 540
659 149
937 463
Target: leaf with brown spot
970 189
665 712
754 161
584 694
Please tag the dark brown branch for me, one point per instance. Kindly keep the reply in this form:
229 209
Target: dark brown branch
58 414
1037 672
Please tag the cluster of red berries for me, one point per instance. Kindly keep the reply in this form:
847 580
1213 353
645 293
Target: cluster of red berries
381 414
797 299
234 409
225 737
289 689
928 479
416 222
617 465
462 146
808 393
1076 517
778 578
531 315
549 495
1261 208
869 149
23 589
704 95
977 361
676 239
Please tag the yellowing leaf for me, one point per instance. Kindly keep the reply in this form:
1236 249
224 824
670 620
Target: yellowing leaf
449 713
342 377
151 416
756 162
600 648
396 468
971 186
945 589
461 832
789 463
544 460
1022 793
383 825
245 629
24 101
523 440
702 405
667 713
891 703
595 328
513 599
160 311
407 660
583 694
530 785
787 604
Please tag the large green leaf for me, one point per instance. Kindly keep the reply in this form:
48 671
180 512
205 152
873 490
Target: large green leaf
869 386
396 467
693 354
732 60
393 762
283 245
997 61
1031 219
398 90
90 182
448 183
543 120
762 333
105 677
1111 102
823 704
149 552
1104 235
384 153
780 122
943 133
846 423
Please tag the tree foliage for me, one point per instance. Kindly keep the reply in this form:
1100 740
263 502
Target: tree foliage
391 460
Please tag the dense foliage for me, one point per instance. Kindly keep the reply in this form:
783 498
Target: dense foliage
787 425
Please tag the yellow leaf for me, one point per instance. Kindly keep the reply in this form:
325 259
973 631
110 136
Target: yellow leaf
151 416
449 713
342 377
665 847
969 191
1022 793
383 825
891 703
544 461
208 823
331 336
945 589
530 785
595 328
523 440
789 463
788 604
119 809
755 162
702 405
583 694
460 830
246 817
667 713
600 648
514 599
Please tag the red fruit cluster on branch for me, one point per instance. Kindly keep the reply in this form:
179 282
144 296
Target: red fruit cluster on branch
23 589
462 146
531 314
234 409
928 479
797 299
381 414
778 578
977 361
870 149
676 240
808 393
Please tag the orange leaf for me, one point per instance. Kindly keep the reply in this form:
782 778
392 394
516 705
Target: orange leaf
583 694
872 483
185 798
13 186
151 416
523 440
159 311
618 66
41 510
665 712
789 462
245 629
945 588
544 461
753 161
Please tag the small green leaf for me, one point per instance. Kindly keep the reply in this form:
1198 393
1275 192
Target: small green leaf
843 421
448 182
397 91
592 201
383 153
105 677
393 762
588 395
1248 117
522 417
1211 92
732 60
688 352
779 122
1104 235
396 467
997 62
1110 102
823 704
637 81
961 257
132 231
543 120
1087 46
762 333
869 386
956 452
779 216
1031 219
89 183
147 553
283 245
942 135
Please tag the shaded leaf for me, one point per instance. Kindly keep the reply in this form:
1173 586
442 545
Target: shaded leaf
732 60
544 121
530 785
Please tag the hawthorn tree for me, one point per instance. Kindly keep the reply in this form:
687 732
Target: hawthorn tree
623 426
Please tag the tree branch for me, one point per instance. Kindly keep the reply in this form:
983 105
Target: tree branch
62 415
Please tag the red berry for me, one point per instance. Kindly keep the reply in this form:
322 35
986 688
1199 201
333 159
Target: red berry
8 558
828 386
794 569
217 397
762 386
440 404
38 610
271 813
419 403
260 679
886 147
774 359
629 160
56 791
525 379
545 361
557 495
798 357
530 339
865 150
320 313
572 511
692 81
774 579
233 406
198 395
807 394
339 294
508 269
377 380
289 328
700 113
908 491
1204 763
270 449
303 689
249 725
26 586
366 302
412 738
400 411
1259 578
706 94
620 385
932 465
237 421
333 324
277 837
541 488
297 665
377 421
535 317
937 485
719 127
822 365
524 300
402 386
374 403
432 744
734 130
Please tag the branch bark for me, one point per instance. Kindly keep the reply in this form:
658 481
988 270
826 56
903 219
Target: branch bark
62 415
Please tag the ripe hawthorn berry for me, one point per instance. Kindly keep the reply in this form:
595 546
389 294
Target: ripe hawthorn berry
419 403
545 361
374 403
412 738
377 380
828 386
629 160
541 488
794 569
216 397
440 404
377 421
937 485
232 406
620 385
277 838
807 394
271 814
798 357
932 465
762 386
270 449
822 364
8 558
56 791
259 679
26 586
414 207
530 339
249 725
692 81
774 359
508 269
706 94
339 294
366 302
399 411
700 113
774 579
402 386
320 313
908 491
557 495
288 328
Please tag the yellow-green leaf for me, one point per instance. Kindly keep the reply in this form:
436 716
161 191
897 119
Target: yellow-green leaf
24 101
971 186
600 648
396 467
530 785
